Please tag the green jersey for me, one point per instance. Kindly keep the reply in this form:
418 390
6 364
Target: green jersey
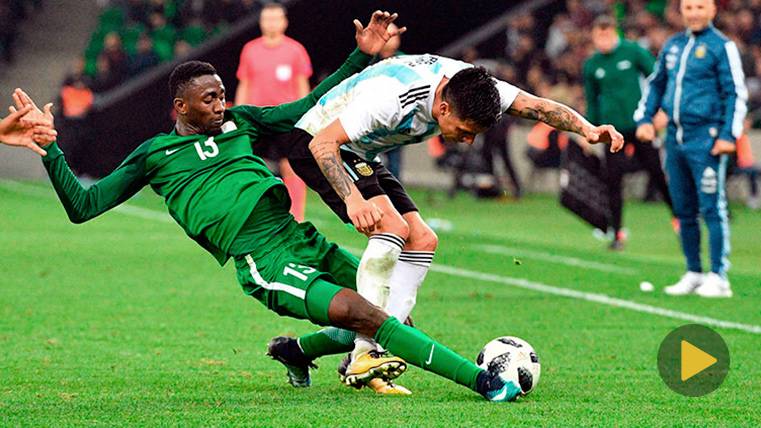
612 84
210 183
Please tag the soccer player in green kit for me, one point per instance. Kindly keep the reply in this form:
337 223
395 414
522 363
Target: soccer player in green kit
226 200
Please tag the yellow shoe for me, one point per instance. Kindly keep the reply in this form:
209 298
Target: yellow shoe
381 386
371 365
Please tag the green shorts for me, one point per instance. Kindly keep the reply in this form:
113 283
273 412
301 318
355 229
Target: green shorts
300 278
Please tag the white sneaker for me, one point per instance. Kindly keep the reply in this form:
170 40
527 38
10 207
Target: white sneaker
714 286
689 282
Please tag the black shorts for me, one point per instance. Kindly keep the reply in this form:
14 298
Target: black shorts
371 178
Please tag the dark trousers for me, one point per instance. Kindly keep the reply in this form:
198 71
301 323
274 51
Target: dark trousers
616 167
496 139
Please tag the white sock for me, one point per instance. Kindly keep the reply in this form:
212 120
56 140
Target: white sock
376 267
409 274
373 278
362 344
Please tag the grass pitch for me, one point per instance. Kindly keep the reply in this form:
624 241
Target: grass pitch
125 321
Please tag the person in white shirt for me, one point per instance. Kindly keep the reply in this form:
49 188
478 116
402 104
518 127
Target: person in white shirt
398 101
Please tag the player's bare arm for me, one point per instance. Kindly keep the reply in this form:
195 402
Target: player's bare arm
564 118
23 127
325 148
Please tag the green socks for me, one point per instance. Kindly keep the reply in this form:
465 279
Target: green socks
406 342
418 349
327 341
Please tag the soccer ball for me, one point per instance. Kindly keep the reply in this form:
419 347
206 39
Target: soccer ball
514 359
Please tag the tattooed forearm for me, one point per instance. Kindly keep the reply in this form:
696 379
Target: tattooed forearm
328 157
554 114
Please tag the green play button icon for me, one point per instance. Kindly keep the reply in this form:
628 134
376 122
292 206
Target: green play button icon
693 360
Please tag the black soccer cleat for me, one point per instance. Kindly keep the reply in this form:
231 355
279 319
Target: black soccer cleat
342 366
286 350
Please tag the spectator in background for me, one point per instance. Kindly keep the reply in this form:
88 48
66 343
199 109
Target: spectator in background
182 49
145 57
105 78
163 35
612 87
118 63
76 99
275 69
699 83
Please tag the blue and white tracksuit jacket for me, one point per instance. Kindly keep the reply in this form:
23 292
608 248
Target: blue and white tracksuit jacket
699 82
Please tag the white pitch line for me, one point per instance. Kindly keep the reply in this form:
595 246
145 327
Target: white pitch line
553 258
595 297
589 297
481 276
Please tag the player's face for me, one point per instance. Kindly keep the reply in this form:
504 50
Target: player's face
457 130
604 39
204 104
697 14
273 22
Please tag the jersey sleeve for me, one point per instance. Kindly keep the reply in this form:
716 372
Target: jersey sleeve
507 94
368 113
281 118
733 92
652 96
83 204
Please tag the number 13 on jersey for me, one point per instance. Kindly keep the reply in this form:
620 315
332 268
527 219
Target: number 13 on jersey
298 271
209 150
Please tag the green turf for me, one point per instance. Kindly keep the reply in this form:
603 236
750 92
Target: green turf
125 321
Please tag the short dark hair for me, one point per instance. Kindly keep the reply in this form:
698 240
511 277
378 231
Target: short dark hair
472 94
184 73
604 22
275 5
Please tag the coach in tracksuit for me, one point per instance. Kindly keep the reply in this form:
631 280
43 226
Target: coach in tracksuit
698 81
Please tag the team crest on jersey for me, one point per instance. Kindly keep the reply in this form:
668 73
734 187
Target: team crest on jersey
363 169
700 51
600 73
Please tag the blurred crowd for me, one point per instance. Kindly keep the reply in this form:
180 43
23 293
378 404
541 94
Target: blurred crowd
133 36
548 60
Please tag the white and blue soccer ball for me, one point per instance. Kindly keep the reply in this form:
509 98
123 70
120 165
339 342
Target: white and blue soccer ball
515 360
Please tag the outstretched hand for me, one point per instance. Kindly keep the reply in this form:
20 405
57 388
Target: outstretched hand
40 120
15 131
605 134
371 39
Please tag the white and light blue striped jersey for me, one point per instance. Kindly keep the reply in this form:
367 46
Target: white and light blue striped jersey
389 104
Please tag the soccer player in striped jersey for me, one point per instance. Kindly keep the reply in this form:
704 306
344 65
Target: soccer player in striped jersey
399 101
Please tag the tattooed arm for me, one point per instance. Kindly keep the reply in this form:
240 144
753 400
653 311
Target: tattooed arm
564 118
325 148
